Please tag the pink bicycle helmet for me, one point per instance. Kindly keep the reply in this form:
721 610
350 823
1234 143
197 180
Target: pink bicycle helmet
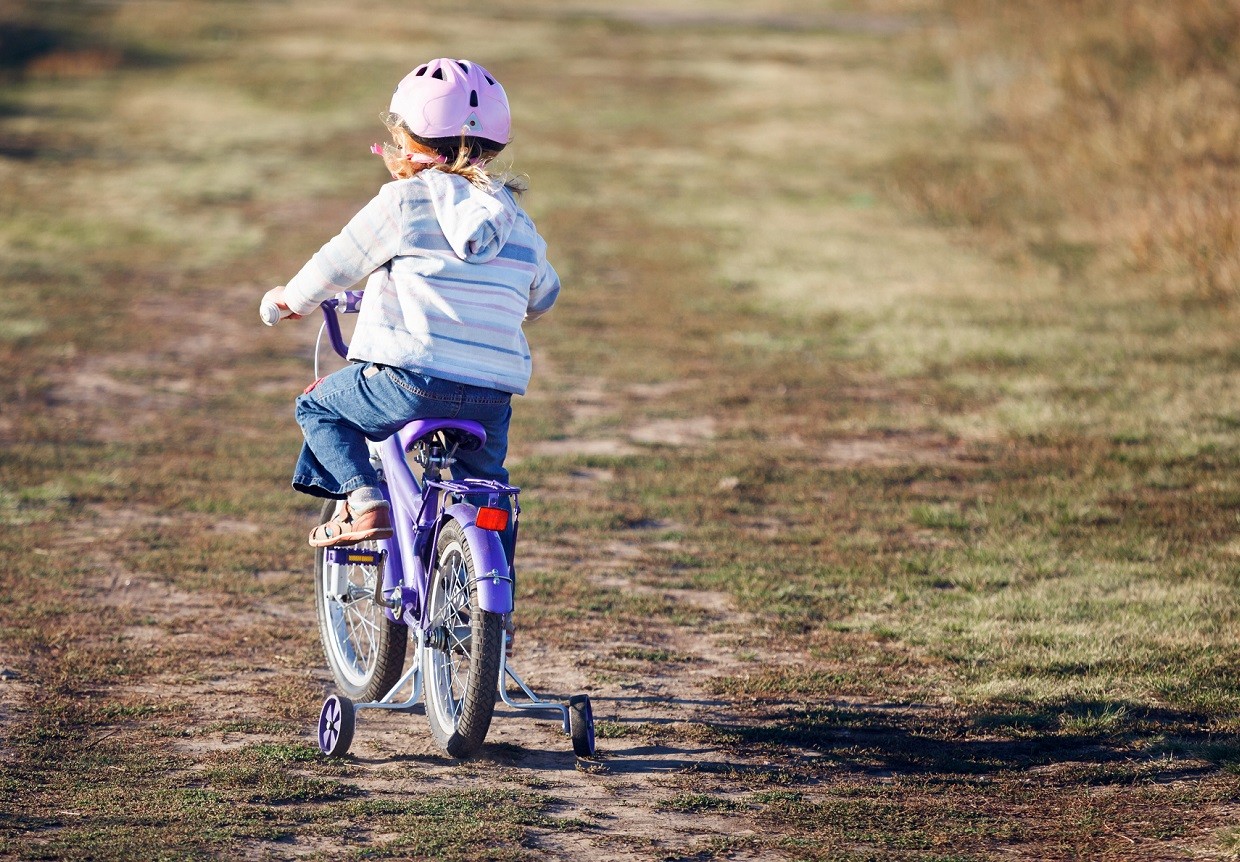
444 99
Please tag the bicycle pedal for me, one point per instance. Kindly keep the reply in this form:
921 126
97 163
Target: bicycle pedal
340 561
347 556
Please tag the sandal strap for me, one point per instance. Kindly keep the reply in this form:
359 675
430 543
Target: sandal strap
331 529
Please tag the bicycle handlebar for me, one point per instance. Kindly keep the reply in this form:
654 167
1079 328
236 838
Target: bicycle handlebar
348 302
269 312
351 299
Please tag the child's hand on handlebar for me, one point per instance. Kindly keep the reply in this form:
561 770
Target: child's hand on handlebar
274 308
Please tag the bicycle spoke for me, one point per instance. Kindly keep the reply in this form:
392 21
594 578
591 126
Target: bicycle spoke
367 650
457 686
361 630
364 647
446 684
371 641
366 622
454 639
440 610
459 597
341 628
352 642
459 702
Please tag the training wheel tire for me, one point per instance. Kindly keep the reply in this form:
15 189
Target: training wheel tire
336 726
581 725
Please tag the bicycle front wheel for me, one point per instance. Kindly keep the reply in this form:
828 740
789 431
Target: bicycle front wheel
460 663
365 650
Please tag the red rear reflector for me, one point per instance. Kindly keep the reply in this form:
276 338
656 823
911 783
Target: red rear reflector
491 518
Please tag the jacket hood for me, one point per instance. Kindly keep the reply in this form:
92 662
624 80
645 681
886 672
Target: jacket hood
477 223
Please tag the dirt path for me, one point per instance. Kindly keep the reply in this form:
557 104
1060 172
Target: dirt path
650 684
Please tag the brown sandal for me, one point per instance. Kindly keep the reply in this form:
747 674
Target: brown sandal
347 528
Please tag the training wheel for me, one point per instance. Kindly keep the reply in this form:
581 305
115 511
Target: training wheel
581 725
336 726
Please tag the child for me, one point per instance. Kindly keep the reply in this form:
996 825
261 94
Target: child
454 266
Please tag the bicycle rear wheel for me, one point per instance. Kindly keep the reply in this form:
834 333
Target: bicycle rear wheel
460 663
365 650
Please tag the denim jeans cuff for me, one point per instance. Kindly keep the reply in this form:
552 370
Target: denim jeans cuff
316 487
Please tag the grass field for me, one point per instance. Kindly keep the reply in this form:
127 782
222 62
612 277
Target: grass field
882 494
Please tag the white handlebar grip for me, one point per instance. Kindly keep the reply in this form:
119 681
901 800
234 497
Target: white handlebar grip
269 312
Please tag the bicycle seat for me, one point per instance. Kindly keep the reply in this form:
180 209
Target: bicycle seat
467 435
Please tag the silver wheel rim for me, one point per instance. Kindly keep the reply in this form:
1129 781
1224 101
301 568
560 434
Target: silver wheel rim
354 624
449 668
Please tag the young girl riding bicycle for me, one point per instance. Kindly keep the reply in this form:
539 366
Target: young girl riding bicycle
453 266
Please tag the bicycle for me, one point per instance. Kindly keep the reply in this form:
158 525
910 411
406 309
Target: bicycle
443 576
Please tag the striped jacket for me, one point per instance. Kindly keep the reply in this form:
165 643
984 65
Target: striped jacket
452 271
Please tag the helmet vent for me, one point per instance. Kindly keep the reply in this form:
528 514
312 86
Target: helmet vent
438 73
490 80
464 66
473 98
420 72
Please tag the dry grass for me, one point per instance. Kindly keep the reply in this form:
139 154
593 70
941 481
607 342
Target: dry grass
1121 123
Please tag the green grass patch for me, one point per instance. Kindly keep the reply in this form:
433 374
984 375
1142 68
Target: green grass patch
700 803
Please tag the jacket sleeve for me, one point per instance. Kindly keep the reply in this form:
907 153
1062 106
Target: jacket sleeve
545 289
368 241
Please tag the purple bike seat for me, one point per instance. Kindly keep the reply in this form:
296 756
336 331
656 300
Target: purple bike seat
471 435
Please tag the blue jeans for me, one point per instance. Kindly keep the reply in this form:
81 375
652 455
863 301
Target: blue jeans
366 401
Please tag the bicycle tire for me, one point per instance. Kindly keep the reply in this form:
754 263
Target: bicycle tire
365 650
581 725
336 723
461 660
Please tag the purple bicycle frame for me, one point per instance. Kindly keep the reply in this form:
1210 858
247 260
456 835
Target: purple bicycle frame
419 512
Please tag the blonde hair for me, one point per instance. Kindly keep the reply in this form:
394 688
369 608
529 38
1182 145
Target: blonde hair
468 163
